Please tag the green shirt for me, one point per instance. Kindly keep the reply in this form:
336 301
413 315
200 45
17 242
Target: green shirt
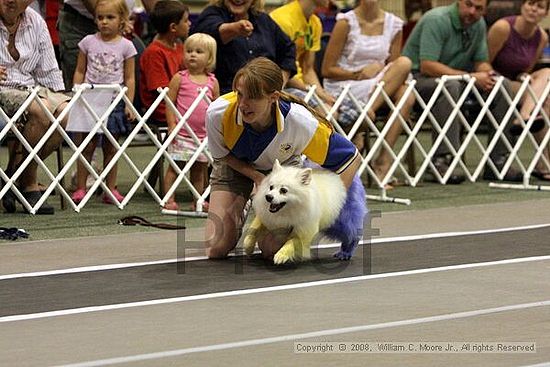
439 36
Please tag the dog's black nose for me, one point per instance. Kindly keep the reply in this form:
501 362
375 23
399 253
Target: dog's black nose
269 198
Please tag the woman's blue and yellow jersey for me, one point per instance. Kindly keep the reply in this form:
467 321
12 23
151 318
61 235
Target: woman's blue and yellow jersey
295 132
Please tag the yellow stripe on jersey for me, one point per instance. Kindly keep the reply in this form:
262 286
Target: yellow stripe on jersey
279 118
317 148
230 129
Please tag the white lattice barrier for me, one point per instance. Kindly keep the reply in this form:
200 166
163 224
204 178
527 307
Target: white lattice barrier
33 151
141 176
470 140
526 137
395 117
410 133
201 147
119 93
512 150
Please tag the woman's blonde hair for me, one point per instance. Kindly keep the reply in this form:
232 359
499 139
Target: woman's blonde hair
256 6
260 77
207 42
121 9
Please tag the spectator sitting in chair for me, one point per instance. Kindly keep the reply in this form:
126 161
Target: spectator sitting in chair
452 40
364 49
515 45
27 61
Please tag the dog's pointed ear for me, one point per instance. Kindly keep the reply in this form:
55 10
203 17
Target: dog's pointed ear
305 176
276 165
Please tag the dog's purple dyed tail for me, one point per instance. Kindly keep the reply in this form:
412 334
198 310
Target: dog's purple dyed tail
348 227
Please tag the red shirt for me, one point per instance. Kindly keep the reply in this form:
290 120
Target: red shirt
52 9
158 64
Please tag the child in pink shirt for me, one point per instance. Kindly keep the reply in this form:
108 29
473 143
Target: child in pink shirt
184 88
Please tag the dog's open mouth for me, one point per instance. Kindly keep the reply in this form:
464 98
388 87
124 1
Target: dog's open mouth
274 208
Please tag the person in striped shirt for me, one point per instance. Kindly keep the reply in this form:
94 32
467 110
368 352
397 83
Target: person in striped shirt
27 61
248 129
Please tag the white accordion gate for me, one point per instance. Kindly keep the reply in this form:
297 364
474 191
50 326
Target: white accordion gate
377 133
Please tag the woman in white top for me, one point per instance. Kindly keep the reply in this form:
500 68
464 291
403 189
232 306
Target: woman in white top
365 48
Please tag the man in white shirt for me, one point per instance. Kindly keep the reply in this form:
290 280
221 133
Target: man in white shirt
28 61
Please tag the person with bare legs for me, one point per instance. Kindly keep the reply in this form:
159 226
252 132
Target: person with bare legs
515 45
452 40
363 50
105 57
248 130
184 88
30 63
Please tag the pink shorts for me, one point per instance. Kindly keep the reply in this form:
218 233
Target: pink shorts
182 148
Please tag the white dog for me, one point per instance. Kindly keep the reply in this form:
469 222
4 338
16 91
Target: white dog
307 201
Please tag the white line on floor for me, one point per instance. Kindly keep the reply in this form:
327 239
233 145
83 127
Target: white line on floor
322 246
83 269
313 334
240 292
456 234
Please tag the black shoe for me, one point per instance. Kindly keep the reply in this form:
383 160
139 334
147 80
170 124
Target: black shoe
32 197
513 175
538 125
8 201
441 163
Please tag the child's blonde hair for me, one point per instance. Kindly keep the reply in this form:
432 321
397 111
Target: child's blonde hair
208 43
121 9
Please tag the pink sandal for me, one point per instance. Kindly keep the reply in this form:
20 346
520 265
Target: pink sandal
171 205
107 199
78 195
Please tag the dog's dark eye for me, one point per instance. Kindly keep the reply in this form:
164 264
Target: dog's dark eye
271 187
283 190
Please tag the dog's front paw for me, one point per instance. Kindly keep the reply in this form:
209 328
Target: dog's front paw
279 258
285 254
248 244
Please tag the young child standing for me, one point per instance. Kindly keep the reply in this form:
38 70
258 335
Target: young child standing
200 60
104 58
161 60
163 57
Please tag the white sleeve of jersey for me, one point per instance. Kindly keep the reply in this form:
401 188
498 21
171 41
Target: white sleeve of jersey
216 143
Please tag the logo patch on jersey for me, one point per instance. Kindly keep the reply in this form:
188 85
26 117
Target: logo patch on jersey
286 150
